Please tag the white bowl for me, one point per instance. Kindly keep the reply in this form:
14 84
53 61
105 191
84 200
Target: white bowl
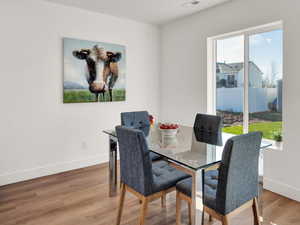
169 132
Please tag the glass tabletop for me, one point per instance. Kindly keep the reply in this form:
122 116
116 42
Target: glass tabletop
184 147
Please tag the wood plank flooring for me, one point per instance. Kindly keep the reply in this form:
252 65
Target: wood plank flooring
80 197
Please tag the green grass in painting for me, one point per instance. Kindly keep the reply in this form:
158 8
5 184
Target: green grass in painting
268 128
76 96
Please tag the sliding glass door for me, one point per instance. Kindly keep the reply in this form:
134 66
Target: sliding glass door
248 82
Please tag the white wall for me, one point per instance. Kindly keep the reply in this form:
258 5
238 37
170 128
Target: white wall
184 69
40 135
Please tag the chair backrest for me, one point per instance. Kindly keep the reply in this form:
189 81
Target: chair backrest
208 129
135 163
137 120
238 172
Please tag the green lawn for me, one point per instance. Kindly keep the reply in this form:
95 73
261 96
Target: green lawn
81 95
268 128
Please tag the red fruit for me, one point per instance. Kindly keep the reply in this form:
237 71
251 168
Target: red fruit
168 126
163 126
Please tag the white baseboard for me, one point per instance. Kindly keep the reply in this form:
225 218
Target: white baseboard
282 189
17 176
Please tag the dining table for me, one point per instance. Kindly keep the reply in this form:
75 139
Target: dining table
185 151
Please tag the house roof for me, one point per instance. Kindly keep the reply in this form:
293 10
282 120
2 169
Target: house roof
236 67
233 68
224 68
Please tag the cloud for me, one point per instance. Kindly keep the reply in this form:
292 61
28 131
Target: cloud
259 39
230 50
74 74
269 40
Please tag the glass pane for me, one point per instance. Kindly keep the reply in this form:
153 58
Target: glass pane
230 83
265 84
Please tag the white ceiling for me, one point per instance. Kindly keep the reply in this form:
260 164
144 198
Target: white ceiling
149 11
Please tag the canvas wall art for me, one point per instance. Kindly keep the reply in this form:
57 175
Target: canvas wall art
93 71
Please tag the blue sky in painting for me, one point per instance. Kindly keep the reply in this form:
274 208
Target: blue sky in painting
75 69
265 50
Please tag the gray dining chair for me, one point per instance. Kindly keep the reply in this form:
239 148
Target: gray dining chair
208 129
230 185
138 120
141 177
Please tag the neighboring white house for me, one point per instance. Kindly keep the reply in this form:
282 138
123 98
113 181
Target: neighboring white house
230 75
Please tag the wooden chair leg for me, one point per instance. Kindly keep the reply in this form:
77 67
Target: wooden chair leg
163 201
121 203
143 210
190 213
255 212
225 220
178 209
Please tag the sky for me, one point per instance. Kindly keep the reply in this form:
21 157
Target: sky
265 49
75 69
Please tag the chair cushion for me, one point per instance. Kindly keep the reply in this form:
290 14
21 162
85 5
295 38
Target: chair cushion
154 156
210 187
165 176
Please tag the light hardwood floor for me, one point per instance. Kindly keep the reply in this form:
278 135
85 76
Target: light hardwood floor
80 197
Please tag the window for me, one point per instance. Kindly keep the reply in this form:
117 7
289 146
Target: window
247 80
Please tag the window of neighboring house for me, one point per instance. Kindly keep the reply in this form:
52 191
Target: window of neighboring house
231 81
250 99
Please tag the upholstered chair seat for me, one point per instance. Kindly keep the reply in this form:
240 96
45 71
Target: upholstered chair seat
210 187
165 176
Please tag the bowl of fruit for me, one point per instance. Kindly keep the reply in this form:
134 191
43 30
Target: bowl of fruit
168 129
